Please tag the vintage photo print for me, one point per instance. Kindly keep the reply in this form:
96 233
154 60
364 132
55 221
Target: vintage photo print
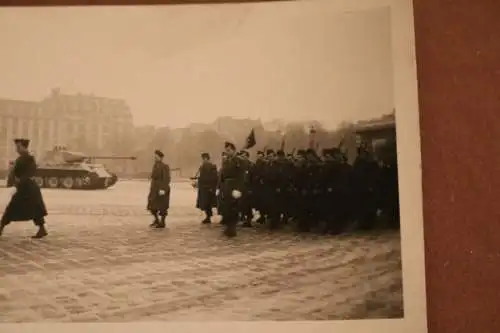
225 164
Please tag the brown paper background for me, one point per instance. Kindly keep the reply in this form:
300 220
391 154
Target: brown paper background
458 60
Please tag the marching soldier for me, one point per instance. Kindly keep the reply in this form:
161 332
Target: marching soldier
365 173
258 186
231 179
207 185
218 194
159 191
27 202
279 183
246 199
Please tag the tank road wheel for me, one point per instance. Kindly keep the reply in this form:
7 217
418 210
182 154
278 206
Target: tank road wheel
67 183
53 182
39 181
86 181
79 182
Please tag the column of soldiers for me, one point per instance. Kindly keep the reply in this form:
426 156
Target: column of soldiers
313 192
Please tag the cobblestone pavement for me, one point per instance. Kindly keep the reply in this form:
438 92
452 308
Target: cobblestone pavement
102 263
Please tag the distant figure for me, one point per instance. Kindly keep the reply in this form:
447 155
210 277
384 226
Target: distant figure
207 186
27 202
159 191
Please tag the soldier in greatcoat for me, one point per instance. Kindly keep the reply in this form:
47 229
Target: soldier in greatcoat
159 191
231 179
27 201
207 185
258 186
246 198
365 173
279 183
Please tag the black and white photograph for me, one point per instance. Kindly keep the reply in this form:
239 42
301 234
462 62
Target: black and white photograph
210 163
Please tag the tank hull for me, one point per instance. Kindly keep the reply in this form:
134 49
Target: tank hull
72 179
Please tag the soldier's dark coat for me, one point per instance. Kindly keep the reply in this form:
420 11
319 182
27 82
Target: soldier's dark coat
160 180
246 189
207 185
27 203
231 178
365 173
258 186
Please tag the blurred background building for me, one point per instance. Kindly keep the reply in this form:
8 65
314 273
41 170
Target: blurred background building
81 122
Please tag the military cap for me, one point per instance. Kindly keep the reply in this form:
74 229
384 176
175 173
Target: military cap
159 153
280 153
228 144
301 152
310 151
205 155
326 152
22 142
260 152
269 152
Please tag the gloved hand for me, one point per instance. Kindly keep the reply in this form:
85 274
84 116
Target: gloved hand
236 194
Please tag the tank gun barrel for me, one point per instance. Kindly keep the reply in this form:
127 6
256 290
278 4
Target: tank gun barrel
111 157
93 158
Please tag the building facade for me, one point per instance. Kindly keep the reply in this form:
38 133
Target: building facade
76 121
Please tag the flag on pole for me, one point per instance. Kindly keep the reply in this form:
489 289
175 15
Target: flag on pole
250 141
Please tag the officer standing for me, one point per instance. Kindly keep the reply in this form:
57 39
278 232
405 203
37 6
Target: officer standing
159 191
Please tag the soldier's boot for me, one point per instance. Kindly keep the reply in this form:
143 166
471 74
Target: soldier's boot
161 223
274 223
156 220
42 232
248 222
230 231
206 220
303 225
230 227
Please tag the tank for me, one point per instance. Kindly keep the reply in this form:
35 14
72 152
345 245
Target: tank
379 136
64 169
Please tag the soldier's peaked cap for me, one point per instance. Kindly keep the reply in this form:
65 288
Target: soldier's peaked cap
280 153
205 155
228 144
269 151
301 152
23 142
159 153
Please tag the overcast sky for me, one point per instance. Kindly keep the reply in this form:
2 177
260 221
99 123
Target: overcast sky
180 64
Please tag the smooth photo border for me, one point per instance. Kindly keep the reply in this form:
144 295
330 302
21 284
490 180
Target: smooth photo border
410 184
